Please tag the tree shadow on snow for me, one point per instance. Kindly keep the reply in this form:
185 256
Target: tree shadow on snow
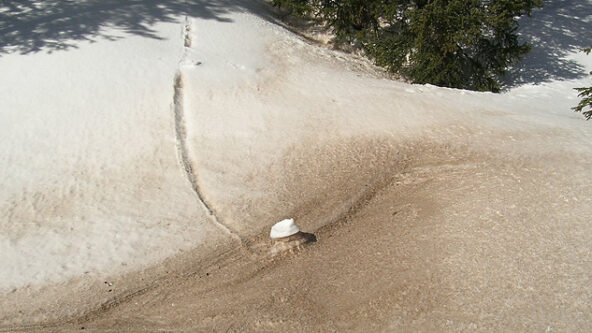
559 28
28 26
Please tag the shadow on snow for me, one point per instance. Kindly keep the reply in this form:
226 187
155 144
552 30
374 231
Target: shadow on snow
559 28
28 26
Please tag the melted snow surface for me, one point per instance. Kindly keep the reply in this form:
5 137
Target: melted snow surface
93 180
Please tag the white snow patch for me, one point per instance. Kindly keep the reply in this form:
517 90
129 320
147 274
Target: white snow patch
283 229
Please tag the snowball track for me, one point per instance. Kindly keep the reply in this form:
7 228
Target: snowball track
181 136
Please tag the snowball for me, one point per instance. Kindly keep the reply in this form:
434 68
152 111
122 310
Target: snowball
283 229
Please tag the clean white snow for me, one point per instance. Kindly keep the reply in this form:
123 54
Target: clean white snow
284 228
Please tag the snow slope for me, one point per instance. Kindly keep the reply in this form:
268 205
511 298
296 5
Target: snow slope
120 152
90 173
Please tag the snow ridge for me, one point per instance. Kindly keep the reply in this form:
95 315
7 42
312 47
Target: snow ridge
181 137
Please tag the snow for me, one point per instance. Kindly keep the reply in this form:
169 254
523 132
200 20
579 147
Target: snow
90 175
92 178
284 228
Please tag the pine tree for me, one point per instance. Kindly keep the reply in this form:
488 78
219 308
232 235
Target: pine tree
586 94
454 43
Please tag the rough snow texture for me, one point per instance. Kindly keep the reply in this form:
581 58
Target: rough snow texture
91 179
90 173
102 174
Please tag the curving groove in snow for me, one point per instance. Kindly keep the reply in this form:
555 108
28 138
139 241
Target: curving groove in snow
90 180
181 136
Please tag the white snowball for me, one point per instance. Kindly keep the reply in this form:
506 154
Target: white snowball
283 229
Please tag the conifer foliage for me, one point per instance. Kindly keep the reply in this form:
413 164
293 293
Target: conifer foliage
465 44
585 105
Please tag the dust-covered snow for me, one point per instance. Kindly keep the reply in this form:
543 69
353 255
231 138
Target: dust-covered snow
128 140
